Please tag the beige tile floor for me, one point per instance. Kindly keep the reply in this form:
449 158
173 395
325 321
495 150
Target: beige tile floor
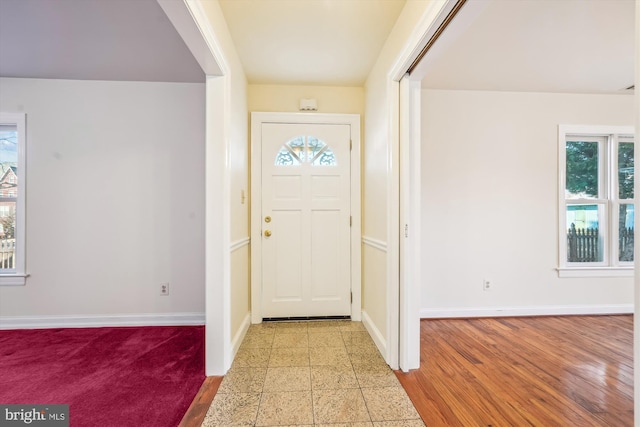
325 374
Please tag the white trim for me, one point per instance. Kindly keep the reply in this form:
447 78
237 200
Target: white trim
218 350
435 14
203 22
13 279
256 220
374 243
182 17
551 310
636 283
595 272
240 243
91 321
410 220
239 336
17 276
257 119
607 201
393 227
376 335
595 130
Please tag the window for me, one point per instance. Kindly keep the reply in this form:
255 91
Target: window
305 150
12 199
596 201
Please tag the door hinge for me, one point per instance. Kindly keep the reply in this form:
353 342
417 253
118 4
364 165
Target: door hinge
350 145
350 220
351 297
406 230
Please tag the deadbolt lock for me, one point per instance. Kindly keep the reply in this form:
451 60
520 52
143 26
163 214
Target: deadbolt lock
267 219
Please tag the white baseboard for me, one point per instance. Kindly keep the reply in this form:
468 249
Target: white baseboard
551 310
239 336
375 333
47 322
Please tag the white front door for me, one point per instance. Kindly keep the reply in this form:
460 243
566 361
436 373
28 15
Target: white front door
306 242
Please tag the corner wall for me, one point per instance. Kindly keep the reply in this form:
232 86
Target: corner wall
381 101
490 204
115 202
227 164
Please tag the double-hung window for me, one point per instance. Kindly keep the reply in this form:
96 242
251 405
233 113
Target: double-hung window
596 200
12 198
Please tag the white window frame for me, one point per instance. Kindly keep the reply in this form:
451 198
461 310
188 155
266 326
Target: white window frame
17 276
608 137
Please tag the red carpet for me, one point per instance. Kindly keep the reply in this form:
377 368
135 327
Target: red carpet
120 377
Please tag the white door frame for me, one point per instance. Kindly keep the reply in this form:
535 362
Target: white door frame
195 28
636 279
403 286
410 222
257 119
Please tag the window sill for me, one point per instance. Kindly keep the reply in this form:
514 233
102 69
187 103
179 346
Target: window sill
13 279
595 272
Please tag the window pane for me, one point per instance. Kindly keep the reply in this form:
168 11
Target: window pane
582 169
625 170
314 146
310 150
296 146
584 240
320 154
326 158
7 234
8 145
625 237
286 158
8 192
291 153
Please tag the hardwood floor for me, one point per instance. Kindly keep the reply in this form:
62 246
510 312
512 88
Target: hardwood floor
200 405
526 371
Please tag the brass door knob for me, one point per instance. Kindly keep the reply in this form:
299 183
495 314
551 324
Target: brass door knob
267 218
267 233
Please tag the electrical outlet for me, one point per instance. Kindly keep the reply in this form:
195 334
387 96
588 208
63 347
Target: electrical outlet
486 284
164 288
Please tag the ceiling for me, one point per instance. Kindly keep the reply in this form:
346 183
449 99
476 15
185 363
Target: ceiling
525 45
571 46
92 40
315 42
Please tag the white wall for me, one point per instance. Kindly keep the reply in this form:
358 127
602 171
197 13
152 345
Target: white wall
381 97
115 197
490 203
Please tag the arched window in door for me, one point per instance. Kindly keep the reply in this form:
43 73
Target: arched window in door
307 149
